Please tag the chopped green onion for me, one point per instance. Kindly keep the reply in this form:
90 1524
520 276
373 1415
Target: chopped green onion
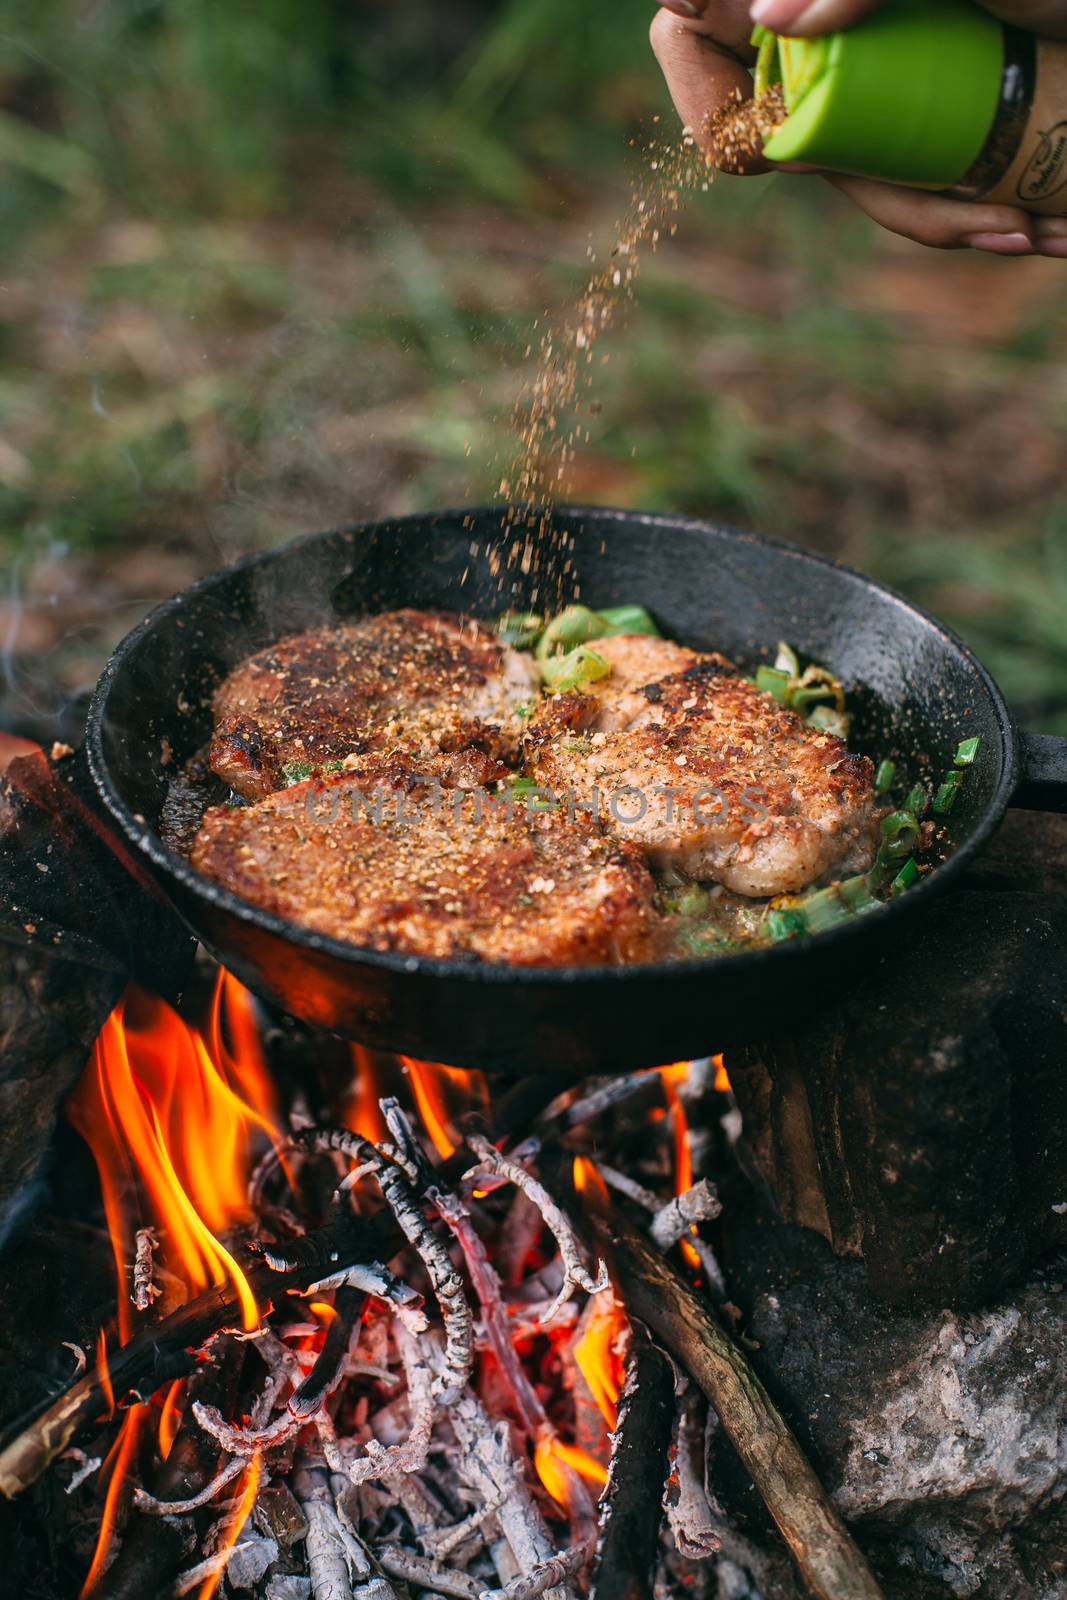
707 941
627 619
829 720
787 660
805 697
297 771
575 625
519 628
906 877
578 747
774 682
525 710
528 788
691 900
917 801
785 925
825 909
856 894
563 673
883 778
945 798
900 833
967 751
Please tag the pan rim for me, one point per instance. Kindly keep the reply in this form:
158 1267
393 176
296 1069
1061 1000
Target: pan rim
176 868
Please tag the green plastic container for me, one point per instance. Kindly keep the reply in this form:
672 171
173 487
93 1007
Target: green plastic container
910 95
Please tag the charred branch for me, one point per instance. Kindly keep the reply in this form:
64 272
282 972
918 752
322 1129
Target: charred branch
822 1547
630 1507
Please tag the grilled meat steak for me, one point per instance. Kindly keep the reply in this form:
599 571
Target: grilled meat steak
415 682
707 774
399 866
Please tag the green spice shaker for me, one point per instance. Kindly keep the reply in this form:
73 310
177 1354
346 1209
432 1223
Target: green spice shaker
936 94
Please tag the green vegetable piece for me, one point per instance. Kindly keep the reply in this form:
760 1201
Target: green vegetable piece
785 925
296 772
900 833
945 798
563 673
967 751
627 619
690 900
906 877
525 710
576 625
520 629
856 895
824 910
918 801
829 720
578 747
787 659
883 778
775 683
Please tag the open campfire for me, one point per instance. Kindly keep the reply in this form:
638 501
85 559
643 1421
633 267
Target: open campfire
308 1322
277 1409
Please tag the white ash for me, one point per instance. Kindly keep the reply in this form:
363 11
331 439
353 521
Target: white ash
575 1275
145 1289
701 1203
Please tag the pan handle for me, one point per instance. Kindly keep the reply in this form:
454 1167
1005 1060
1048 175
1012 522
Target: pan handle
1042 773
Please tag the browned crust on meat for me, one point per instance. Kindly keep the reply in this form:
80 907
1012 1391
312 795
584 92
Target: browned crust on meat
738 789
475 880
405 681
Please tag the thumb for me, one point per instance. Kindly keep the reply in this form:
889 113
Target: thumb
1048 17
802 18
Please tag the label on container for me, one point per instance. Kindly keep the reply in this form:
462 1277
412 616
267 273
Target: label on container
1037 178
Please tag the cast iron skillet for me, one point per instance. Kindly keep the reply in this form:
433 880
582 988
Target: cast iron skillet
918 690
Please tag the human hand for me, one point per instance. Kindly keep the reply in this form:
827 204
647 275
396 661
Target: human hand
703 48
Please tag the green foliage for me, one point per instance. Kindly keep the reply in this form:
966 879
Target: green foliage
268 267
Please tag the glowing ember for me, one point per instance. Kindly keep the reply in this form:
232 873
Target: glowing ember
554 1461
598 1355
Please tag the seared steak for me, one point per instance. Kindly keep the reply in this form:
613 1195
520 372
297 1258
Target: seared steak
448 874
707 774
404 681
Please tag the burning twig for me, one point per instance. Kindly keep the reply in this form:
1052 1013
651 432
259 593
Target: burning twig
445 1280
575 1275
826 1555
427 1574
145 1288
179 1508
87 1466
630 1510
210 1567
698 1204
688 1511
338 1562
530 1585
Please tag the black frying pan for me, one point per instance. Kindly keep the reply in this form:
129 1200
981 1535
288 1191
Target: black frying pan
916 688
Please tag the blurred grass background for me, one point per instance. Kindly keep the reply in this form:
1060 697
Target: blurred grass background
267 268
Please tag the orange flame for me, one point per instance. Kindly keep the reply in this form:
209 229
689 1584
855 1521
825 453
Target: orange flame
170 1418
164 1112
598 1358
103 1372
440 1093
553 1458
118 1460
722 1077
363 1113
672 1077
249 1485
